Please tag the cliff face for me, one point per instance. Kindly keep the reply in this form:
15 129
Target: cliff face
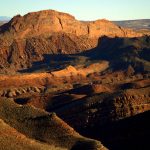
50 21
26 39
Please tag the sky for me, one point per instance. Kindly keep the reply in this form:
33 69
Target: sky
81 9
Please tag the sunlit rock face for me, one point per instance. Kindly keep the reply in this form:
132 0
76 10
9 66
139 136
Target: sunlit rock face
26 39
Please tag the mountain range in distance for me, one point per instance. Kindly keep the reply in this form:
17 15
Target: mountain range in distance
135 24
4 18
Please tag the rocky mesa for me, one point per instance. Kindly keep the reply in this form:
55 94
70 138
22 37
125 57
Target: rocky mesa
30 39
49 21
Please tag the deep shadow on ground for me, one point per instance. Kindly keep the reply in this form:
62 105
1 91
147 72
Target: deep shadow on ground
120 52
128 134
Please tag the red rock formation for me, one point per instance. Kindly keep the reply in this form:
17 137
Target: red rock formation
49 21
25 39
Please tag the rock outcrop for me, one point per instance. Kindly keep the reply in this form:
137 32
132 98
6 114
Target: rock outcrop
103 108
27 40
50 21
72 71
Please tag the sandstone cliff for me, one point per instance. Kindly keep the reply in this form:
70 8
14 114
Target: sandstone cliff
49 21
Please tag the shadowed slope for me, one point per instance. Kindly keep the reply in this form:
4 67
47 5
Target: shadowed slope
122 52
11 139
42 126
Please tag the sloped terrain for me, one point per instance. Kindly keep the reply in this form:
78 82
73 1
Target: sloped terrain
86 103
129 133
61 77
11 139
42 126
122 52
30 40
